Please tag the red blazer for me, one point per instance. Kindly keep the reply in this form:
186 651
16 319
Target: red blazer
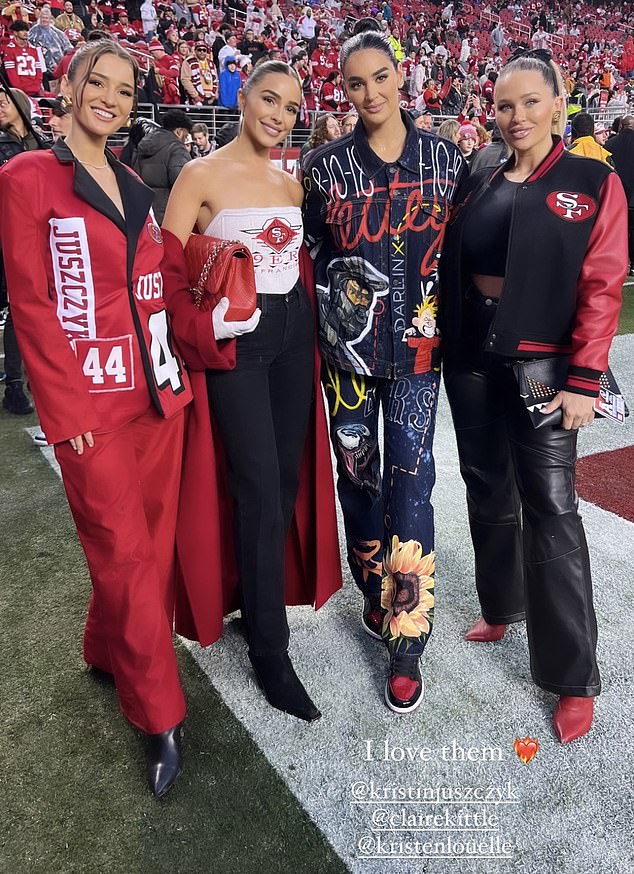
87 295
207 577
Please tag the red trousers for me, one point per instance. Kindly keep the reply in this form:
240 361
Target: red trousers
123 494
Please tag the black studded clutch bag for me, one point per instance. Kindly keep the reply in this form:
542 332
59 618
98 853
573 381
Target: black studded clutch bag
540 379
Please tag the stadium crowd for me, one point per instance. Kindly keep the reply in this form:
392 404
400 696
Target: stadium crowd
193 54
197 53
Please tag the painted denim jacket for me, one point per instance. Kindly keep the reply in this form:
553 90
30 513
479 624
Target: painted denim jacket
375 233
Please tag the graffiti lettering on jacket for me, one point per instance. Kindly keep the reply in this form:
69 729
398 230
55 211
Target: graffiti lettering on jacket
438 168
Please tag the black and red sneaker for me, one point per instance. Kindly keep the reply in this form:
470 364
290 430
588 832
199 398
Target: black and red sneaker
372 618
404 688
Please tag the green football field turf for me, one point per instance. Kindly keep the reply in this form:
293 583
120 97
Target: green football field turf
72 783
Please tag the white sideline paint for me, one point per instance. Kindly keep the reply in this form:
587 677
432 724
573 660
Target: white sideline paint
573 813
47 451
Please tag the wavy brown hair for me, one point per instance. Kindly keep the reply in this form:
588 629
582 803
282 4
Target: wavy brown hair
319 136
86 58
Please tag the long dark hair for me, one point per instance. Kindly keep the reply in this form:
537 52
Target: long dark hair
319 135
368 39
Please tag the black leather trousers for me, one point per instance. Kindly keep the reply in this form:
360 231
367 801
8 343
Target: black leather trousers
531 554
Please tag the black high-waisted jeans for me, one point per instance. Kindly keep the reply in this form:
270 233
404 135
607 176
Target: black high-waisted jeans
531 554
262 410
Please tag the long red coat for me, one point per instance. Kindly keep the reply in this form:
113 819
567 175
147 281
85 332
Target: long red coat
207 571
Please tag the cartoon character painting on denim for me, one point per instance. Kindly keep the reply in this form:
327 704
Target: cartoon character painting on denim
357 450
388 520
423 335
348 304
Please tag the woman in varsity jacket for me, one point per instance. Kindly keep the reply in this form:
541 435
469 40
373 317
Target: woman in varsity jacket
533 266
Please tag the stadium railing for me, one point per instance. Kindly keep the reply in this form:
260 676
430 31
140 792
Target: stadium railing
215 117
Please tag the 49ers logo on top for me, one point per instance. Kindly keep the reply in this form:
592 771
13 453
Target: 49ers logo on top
571 206
277 233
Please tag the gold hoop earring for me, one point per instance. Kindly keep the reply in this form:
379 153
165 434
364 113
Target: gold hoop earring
128 123
556 116
66 102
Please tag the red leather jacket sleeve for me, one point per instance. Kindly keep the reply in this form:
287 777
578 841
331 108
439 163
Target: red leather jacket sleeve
61 395
599 291
192 328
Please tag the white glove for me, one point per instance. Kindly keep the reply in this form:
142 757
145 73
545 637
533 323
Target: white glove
227 330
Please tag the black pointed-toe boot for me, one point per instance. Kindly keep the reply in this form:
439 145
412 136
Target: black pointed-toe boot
282 687
164 760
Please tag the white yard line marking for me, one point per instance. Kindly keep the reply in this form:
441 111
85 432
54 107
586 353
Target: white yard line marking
459 744
47 451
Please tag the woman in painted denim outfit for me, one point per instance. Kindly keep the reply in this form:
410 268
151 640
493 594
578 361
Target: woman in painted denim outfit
377 203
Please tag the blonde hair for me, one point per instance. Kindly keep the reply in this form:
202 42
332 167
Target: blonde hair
449 129
559 126
551 74
429 304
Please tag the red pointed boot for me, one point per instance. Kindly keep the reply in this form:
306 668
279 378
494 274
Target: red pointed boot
483 632
573 717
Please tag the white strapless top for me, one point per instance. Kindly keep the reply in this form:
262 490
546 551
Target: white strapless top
274 236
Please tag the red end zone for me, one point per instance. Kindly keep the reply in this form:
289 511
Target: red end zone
607 479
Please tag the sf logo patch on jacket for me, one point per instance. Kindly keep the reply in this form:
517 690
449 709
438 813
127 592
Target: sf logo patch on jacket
571 206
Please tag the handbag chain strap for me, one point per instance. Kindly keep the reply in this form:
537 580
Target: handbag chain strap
199 291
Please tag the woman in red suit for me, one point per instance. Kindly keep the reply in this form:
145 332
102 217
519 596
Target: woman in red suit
83 260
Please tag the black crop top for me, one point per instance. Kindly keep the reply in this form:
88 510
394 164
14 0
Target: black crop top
486 232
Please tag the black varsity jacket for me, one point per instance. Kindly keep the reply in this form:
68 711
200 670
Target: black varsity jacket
566 262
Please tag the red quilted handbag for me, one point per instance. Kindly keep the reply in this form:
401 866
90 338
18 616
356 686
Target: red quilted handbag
221 268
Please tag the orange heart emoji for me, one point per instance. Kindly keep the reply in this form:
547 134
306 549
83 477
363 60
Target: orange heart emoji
526 748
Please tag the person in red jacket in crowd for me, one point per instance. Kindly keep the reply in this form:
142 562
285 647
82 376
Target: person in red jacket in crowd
488 88
105 8
23 63
626 61
90 310
167 68
331 95
304 69
431 97
332 58
319 58
122 29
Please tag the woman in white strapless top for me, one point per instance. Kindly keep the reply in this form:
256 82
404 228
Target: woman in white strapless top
262 407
